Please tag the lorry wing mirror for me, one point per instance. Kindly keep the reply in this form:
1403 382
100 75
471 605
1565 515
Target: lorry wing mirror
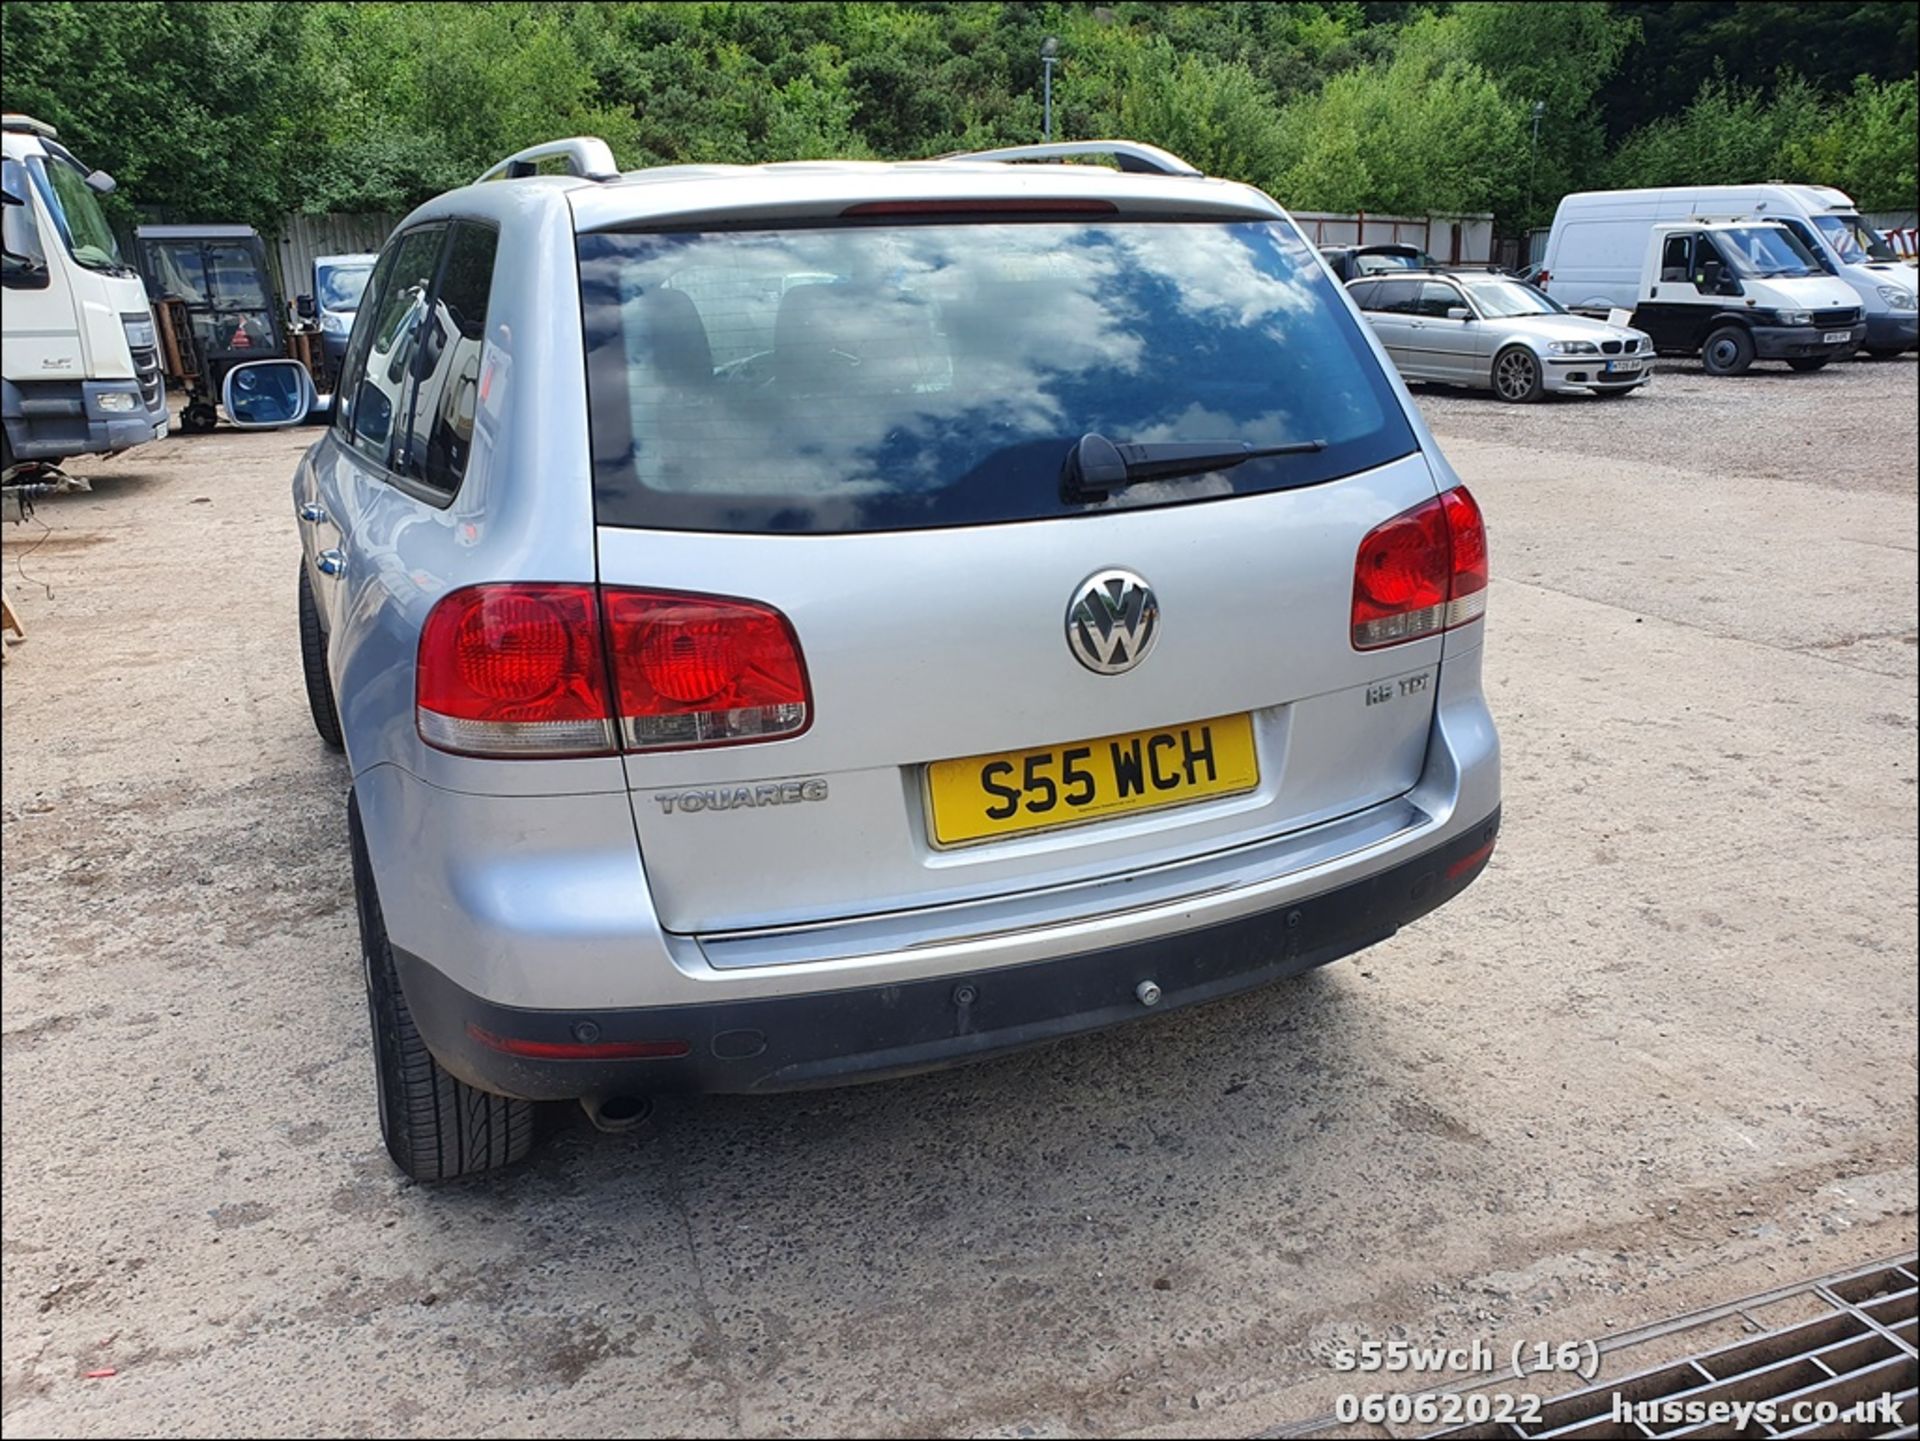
305 307
101 183
265 394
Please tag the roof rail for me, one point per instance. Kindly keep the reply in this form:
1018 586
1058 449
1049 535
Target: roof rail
1131 155
587 156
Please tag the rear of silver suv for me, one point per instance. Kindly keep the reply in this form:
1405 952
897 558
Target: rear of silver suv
810 623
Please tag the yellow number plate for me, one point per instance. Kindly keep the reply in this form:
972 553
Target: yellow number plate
986 797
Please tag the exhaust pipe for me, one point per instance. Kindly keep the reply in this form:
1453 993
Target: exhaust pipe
614 1114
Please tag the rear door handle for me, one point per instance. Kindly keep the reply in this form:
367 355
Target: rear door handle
331 562
313 512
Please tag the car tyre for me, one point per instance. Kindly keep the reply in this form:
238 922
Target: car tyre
1728 351
1806 363
199 419
1516 376
313 666
435 1126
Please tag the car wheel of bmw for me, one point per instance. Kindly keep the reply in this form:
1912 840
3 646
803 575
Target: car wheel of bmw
1516 375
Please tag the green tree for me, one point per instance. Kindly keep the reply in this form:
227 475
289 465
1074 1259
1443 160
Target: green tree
1684 43
1427 130
1865 146
1215 115
246 110
1558 54
192 107
1729 135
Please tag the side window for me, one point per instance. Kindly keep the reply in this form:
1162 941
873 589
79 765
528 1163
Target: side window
353 365
1808 241
25 257
1436 299
179 271
1705 253
451 340
383 390
234 279
1676 260
1363 294
1400 297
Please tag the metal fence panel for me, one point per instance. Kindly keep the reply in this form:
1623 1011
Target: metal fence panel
302 237
1451 239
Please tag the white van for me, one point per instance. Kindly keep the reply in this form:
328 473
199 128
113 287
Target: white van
1599 241
80 359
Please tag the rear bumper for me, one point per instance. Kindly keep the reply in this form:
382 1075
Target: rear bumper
1793 342
1887 332
869 1033
538 906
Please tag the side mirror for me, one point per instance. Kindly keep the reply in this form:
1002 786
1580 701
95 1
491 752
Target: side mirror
101 183
1459 312
306 307
267 394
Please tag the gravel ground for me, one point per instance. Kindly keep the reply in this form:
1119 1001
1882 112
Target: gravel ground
1849 426
1661 1055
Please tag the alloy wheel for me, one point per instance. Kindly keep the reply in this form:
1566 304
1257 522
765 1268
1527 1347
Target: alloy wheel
1513 375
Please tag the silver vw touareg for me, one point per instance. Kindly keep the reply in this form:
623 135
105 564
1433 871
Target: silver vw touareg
822 621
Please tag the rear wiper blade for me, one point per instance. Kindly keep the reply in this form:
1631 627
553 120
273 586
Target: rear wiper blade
1097 467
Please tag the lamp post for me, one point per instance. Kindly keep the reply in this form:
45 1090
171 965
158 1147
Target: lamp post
1533 159
1049 57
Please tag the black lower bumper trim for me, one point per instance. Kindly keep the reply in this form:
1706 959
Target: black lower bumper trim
834 1037
1793 342
1891 334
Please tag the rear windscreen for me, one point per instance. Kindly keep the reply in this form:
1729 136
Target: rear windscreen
879 378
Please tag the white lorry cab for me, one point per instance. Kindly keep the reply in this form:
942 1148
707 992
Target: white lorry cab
1728 291
81 356
1597 245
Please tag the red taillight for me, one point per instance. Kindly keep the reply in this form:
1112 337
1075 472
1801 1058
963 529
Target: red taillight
521 670
1468 533
1540 280
514 670
693 670
1422 572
